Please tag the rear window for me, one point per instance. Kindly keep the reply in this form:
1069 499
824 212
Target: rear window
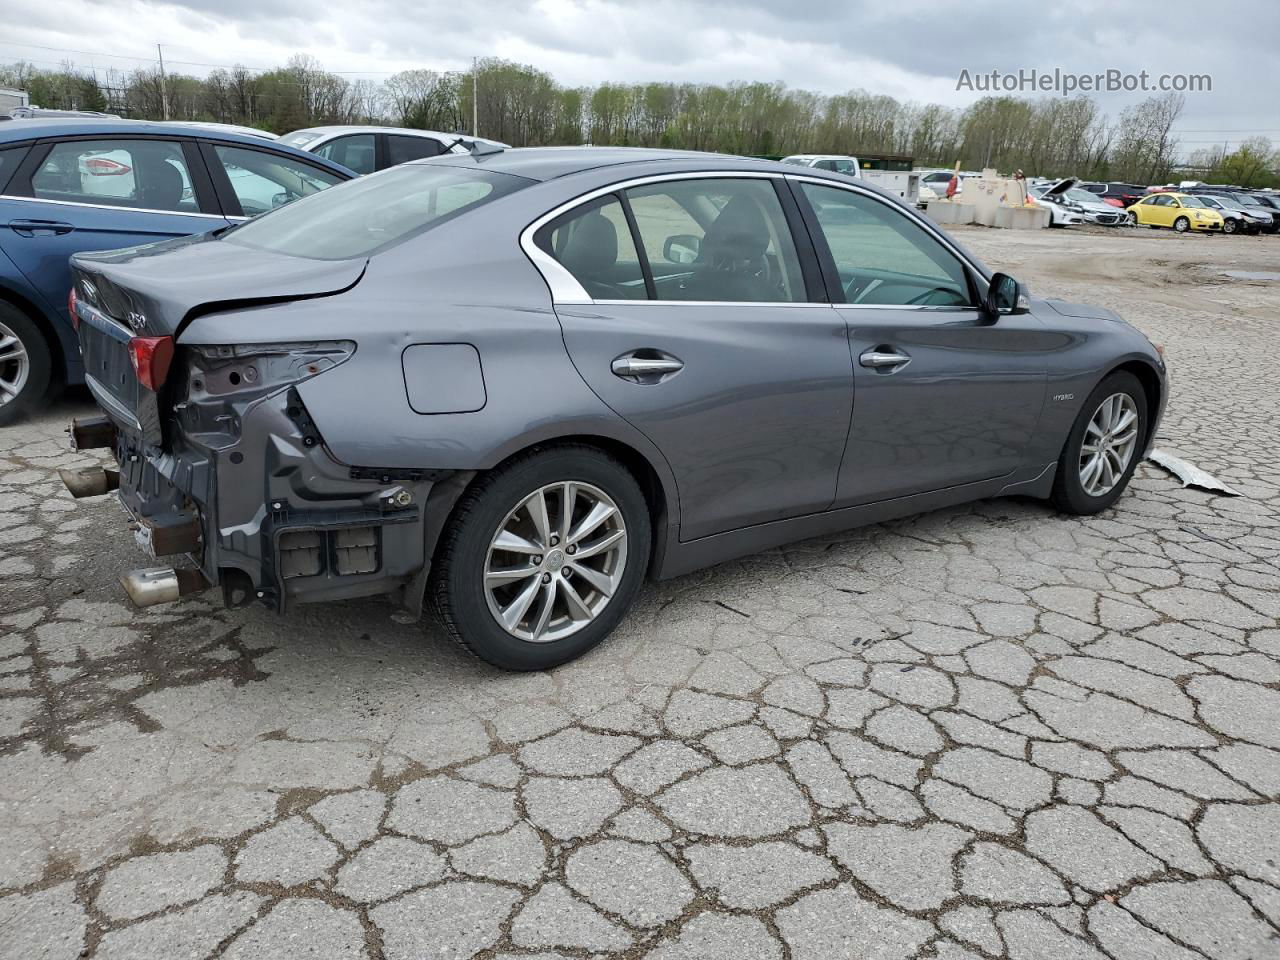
367 216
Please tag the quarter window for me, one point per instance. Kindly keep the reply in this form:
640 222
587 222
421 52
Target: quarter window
355 152
882 256
263 181
147 174
717 239
594 243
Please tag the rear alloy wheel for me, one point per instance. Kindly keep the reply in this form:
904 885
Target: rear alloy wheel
1104 446
542 558
1182 225
25 364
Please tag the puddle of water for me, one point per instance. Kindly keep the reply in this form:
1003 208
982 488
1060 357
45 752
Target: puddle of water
1251 274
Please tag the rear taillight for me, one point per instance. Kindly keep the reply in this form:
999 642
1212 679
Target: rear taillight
71 308
151 358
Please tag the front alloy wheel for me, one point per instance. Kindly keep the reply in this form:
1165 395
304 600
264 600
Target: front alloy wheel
1182 225
1109 442
1104 446
556 561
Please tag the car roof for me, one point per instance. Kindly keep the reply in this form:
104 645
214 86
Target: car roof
373 128
21 131
548 163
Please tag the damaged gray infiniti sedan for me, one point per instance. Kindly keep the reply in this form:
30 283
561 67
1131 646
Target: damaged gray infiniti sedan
516 383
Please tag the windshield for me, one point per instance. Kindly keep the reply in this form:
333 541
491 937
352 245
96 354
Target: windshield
1192 202
1081 196
1248 200
299 139
365 216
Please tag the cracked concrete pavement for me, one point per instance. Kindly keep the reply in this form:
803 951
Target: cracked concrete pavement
985 732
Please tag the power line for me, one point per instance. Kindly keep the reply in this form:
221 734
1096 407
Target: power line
185 63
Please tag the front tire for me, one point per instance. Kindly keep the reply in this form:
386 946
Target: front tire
1182 225
1230 227
26 364
1103 448
542 557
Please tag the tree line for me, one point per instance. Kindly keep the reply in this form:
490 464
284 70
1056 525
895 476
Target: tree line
524 106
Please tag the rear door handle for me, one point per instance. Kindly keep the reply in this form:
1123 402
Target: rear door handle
29 228
883 358
645 369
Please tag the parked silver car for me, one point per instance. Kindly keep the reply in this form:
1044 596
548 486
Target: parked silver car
518 383
1068 203
369 149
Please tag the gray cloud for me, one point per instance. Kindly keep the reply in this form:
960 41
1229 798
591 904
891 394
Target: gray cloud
909 49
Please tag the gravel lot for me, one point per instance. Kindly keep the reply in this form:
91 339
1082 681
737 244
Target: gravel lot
984 732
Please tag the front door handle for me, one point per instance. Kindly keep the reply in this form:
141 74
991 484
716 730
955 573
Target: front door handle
29 228
645 369
883 358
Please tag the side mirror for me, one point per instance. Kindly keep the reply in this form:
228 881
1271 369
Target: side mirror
682 248
1005 295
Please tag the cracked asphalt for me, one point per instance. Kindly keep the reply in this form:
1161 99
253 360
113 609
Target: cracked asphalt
986 732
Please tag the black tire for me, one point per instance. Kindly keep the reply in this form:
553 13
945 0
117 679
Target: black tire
39 360
457 584
1181 225
1230 226
1069 494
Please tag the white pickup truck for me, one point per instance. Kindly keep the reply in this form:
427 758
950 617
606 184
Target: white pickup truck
902 182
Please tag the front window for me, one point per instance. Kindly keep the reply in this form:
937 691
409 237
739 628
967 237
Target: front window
355 152
882 256
367 216
717 239
262 180
147 174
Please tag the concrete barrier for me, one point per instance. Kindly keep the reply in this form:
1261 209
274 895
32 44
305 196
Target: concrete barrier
949 212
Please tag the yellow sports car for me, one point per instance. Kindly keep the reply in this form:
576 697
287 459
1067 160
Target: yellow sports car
1180 211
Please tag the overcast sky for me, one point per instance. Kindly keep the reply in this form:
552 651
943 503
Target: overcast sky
909 49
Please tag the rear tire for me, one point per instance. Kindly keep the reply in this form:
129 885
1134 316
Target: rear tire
1069 483
469 597
26 365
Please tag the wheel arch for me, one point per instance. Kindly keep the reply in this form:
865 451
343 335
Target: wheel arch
25 305
1152 387
655 483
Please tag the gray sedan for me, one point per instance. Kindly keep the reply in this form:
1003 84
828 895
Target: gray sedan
516 383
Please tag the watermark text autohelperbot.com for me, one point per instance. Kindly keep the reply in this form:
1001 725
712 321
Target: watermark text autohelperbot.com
1066 83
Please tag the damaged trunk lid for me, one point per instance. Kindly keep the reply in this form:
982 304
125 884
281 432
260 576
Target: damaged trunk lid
133 304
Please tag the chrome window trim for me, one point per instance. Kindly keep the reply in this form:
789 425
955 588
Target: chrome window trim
110 206
718 303
565 288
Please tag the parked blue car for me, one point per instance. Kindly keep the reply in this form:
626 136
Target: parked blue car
69 186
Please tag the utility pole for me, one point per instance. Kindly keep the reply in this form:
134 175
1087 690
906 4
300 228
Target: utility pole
164 86
475 96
